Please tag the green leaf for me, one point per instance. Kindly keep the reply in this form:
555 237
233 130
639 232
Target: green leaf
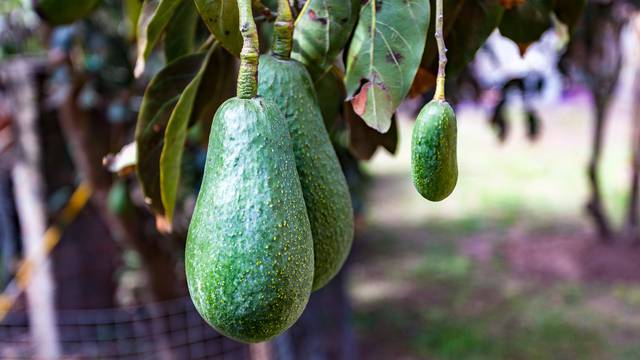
222 19
384 57
132 10
322 31
160 98
63 12
180 35
218 85
201 98
153 20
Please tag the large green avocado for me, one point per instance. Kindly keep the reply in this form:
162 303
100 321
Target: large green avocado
326 194
62 12
434 164
249 252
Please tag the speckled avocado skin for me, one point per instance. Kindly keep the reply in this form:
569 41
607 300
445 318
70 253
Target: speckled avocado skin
249 252
434 165
326 194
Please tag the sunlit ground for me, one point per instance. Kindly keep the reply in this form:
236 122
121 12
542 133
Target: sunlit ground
507 267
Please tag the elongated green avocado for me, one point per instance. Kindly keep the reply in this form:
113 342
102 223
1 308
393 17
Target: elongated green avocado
326 194
62 12
249 252
434 164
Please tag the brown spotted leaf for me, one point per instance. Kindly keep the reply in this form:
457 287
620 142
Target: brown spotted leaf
384 56
322 31
222 19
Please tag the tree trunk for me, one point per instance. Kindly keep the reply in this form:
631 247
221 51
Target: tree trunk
29 189
633 211
597 52
595 207
8 237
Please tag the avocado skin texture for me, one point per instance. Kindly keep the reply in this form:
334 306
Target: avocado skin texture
62 12
326 194
249 251
434 166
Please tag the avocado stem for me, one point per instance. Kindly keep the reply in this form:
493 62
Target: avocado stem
248 74
283 31
442 52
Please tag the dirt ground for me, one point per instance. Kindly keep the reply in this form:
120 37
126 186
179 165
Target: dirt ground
508 267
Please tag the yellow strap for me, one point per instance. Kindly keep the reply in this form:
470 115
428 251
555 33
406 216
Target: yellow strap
5 305
50 239
77 201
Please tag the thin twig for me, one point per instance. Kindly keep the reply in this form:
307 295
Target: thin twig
266 14
211 41
442 52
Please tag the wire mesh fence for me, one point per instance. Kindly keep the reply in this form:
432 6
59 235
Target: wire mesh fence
170 330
